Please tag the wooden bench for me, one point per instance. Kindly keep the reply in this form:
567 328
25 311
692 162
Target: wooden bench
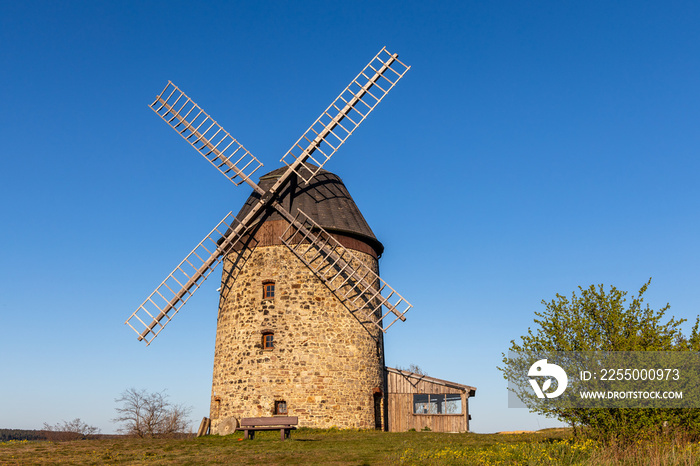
285 424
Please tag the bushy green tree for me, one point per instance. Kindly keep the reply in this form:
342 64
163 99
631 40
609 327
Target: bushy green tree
604 320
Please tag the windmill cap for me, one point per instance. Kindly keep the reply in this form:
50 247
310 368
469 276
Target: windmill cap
325 199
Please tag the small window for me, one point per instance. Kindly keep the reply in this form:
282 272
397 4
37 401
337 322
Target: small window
268 341
268 290
280 407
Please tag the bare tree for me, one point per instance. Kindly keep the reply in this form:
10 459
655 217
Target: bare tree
73 430
144 414
413 368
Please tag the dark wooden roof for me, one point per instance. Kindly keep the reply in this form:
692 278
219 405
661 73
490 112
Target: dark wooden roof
325 199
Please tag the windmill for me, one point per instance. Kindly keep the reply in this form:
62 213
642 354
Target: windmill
283 343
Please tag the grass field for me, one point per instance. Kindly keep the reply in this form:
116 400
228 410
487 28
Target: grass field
310 446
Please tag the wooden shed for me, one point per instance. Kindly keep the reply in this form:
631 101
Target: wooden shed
417 401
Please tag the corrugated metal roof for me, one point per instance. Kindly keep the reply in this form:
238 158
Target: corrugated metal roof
325 199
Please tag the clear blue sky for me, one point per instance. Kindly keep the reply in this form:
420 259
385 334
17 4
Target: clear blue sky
533 147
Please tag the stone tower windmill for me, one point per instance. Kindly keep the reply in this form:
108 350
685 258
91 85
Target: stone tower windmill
302 310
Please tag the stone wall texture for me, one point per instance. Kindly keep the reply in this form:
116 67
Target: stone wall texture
325 365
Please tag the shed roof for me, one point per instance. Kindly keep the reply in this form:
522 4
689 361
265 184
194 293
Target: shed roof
325 199
412 375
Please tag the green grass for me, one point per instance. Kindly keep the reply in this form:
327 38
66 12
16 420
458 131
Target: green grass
311 446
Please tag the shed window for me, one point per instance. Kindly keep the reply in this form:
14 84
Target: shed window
268 290
268 342
441 403
280 407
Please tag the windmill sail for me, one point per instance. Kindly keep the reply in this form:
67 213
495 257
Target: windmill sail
167 299
206 135
359 288
346 112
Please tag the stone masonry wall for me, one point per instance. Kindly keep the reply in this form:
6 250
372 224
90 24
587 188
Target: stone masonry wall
325 364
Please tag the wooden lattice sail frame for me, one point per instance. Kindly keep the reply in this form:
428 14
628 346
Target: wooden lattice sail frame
359 290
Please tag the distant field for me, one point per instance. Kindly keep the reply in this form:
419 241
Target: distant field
311 446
